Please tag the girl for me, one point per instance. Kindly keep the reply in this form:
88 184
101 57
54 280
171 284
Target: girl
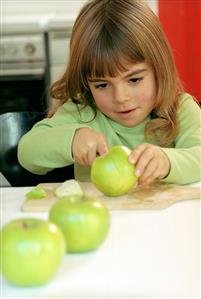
120 87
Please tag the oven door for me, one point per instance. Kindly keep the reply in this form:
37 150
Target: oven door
23 87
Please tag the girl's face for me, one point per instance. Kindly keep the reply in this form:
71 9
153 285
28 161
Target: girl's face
128 98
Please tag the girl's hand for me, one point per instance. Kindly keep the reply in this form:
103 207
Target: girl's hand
87 144
151 163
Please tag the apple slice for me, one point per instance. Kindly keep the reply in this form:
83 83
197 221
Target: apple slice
36 193
69 187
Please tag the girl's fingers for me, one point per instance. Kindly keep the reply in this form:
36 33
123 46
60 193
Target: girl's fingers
81 156
150 170
143 161
102 148
87 143
147 182
151 163
80 160
99 149
91 156
136 153
155 170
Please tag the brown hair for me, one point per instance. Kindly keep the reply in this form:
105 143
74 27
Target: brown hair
105 32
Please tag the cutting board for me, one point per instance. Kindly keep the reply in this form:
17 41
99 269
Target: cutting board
156 196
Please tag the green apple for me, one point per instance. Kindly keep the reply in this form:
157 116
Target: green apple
113 174
84 221
31 251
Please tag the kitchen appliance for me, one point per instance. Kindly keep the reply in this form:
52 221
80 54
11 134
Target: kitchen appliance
24 74
58 45
58 52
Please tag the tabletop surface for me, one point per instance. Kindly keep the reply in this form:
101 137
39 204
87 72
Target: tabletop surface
152 253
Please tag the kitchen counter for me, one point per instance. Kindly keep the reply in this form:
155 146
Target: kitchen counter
152 253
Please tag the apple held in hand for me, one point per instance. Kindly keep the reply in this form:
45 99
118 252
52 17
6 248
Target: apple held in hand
84 221
31 251
113 174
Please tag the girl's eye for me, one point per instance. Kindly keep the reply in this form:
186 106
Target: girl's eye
135 80
102 85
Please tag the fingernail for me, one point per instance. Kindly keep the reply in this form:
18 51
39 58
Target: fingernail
131 160
137 172
103 154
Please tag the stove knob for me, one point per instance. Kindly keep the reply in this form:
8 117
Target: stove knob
30 49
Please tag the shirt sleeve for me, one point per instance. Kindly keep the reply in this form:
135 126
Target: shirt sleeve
185 158
48 144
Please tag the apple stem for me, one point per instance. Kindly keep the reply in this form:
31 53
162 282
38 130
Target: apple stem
25 225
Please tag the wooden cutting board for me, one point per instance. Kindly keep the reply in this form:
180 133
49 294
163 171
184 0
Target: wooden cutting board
156 196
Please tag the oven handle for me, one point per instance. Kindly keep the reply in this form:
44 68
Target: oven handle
21 72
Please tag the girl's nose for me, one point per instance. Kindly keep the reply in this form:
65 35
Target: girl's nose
121 94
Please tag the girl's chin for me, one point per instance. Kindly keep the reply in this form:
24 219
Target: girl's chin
127 122
128 119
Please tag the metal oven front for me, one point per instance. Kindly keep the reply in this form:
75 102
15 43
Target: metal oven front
24 74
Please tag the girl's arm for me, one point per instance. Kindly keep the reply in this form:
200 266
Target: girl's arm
181 164
48 144
185 158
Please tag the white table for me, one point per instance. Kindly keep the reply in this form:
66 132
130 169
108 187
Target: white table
146 254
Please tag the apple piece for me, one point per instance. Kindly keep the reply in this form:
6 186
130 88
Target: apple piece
113 174
31 251
83 220
69 187
36 193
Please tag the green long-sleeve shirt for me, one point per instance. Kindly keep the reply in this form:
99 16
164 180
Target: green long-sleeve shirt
48 144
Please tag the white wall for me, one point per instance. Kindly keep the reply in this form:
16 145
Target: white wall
24 7
14 7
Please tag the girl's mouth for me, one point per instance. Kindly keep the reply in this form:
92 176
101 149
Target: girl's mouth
126 113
